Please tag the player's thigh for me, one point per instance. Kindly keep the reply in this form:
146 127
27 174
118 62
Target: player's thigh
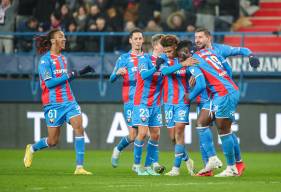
204 118
169 116
54 115
181 114
73 115
155 117
128 113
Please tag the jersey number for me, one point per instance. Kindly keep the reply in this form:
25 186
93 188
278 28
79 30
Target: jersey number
215 62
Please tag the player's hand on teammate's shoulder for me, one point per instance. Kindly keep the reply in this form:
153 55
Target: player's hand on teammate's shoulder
254 61
189 62
121 71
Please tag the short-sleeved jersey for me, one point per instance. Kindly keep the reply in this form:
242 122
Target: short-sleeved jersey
218 81
149 90
54 66
130 61
223 51
175 84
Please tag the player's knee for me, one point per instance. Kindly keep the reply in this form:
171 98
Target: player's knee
155 137
141 135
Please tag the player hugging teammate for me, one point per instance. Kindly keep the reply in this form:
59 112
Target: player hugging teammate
173 79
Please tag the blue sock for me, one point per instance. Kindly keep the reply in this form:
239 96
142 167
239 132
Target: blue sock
80 150
228 148
206 139
179 152
137 151
204 154
124 142
41 144
152 153
237 152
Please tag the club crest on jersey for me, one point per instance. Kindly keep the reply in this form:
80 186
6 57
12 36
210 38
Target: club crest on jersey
159 118
182 114
52 120
134 69
129 120
143 119
47 75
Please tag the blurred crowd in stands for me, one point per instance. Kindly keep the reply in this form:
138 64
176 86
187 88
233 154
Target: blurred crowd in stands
111 16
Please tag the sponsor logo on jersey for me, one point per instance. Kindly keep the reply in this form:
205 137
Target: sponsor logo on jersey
60 71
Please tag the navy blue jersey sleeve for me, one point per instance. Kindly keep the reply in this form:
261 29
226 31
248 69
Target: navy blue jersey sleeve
119 64
227 51
200 83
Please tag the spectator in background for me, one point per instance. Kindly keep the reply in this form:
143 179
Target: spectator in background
93 42
152 26
167 8
206 12
129 26
115 20
80 18
176 22
65 15
187 9
7 23
72 39
25 43
146 11
55 21
92 17
25 11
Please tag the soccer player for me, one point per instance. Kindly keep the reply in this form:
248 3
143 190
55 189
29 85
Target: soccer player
59 104
225 97
147 109
203 39
126 67
175 105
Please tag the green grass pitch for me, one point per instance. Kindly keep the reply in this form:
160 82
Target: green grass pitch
52 170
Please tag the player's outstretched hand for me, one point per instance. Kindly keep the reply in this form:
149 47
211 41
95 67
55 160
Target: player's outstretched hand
254 61
159 62
187 97
192 81
121 71
86 70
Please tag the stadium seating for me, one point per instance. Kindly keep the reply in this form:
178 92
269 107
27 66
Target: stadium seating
267 19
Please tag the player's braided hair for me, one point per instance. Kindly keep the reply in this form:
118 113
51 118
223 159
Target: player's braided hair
43 42
169 40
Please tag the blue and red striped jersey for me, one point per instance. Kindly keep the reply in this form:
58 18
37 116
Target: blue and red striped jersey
218 81
224 51
149 90
175 84
54 66
130 62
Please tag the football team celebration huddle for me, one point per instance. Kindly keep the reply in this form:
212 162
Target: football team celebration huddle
175 73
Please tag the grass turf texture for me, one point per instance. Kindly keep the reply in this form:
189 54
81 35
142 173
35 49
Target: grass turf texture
52 170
